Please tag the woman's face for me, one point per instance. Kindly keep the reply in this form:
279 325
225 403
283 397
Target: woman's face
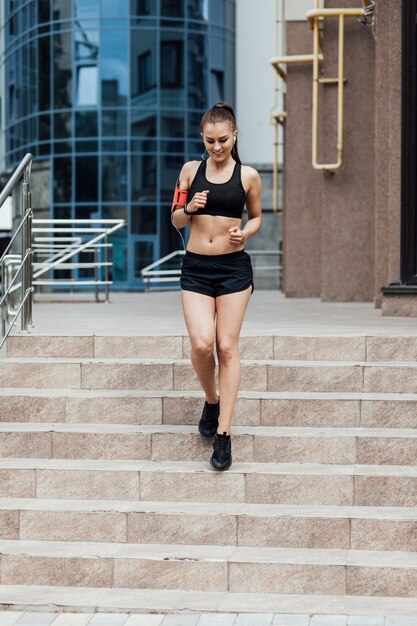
219 139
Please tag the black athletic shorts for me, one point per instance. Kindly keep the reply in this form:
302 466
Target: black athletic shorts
218 274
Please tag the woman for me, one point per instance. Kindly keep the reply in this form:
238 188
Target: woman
216 276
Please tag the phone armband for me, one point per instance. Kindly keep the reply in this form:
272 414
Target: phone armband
180 196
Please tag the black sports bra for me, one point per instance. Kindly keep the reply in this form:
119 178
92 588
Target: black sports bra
224 199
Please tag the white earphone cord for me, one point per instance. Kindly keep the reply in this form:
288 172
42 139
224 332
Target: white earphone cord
178 231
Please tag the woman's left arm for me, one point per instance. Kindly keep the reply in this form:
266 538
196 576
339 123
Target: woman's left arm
253 206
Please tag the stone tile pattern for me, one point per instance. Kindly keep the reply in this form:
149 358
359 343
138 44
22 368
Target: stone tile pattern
149 381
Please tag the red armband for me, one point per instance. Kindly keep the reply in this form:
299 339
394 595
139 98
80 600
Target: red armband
180 196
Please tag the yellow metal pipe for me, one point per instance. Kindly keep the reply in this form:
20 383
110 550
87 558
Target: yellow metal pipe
315 104
294 58
314 13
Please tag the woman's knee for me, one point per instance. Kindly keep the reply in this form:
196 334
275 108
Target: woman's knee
227 349
202 348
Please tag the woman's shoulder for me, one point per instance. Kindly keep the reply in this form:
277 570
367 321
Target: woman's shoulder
189 170
250 173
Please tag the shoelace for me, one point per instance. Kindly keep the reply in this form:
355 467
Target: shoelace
223 441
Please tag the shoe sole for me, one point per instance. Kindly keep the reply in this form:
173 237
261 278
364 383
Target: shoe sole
205 434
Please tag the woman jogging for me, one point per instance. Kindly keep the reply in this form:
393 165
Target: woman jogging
216 275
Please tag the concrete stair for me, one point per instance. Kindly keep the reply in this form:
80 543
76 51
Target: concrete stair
320 502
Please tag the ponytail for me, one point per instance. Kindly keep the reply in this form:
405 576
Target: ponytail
221 112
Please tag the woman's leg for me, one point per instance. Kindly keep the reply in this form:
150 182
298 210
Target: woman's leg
230 311
199 313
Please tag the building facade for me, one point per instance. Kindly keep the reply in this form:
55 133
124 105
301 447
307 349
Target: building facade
351 234
108 97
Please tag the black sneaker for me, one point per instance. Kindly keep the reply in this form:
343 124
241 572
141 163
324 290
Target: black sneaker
222 452
209 419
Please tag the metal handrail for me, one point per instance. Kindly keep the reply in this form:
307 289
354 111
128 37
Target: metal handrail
25 227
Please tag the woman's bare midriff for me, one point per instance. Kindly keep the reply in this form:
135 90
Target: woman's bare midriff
209 234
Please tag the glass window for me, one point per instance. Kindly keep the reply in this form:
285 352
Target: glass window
86 124
218 11
216 85
143 256
144 178
114 178
143 74
172 8
86 9
144 126
44 70
61 10
112 8
86 145
44 10
198 9
114 123
83 212
194 120
172 69
62 125
62 212
87 85
114 68
115 145
172 124
143 7
197 71
44 127
143 220
172 63
62 45
86 183
62 147
62 179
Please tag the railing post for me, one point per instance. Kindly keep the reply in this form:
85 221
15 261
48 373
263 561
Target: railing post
26 317
96 273
106 269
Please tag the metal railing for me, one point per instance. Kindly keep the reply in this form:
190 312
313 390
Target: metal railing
25 266
60 250
67 239
153 274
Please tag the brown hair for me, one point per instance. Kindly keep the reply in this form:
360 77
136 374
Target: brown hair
221 112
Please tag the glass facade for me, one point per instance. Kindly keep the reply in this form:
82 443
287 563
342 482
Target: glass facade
111 94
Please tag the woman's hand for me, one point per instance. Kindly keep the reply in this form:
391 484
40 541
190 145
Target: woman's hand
199 201
236 236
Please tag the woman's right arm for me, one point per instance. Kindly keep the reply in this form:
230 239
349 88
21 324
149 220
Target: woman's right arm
198 201
179 218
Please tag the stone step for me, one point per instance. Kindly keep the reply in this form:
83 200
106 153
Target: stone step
278 483
254 525
209 568
321 347
267 408
171 374
109 600
260 444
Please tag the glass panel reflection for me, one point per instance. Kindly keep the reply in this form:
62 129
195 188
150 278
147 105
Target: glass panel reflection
86 124
143 72
143 220
114 67
172 68
172 8
114 178
61 10
62 179
114 123
143 256
198 9
86 181
143 124
86 9
62 125
110 8
44 83
44 10
144 178
62 46
197 71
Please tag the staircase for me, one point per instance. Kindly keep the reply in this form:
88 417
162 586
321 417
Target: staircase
99 510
